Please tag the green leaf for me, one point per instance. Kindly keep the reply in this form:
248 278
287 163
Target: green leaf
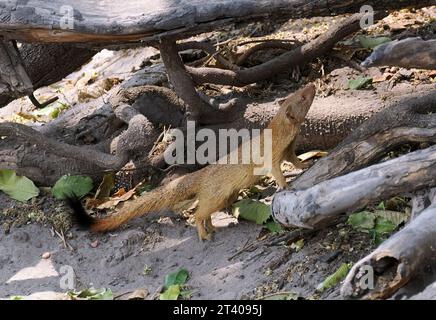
297 245
17 187
381 206
359 83
92 294
370 43
335 278
72 186
252 210
16 298
362 221
176 278
172 293
385 226
395 217
274 227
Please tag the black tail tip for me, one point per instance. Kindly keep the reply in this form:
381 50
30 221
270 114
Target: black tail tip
79 214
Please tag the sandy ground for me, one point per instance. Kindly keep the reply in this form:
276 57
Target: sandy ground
165 243
243 260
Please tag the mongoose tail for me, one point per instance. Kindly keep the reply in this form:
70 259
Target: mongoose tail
164 197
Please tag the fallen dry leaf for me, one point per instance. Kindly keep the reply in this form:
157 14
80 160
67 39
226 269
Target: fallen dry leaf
312 154
114 201
139 294
383 77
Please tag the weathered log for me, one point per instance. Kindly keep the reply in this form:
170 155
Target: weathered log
142 21
396 260
320 204
407 53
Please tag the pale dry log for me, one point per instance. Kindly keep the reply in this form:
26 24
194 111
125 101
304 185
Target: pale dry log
396 260
323 203
141 21
406 53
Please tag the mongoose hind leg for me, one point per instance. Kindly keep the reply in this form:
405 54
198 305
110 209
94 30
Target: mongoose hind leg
209 226
203 221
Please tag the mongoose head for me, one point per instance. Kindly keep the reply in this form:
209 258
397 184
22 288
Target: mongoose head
297 104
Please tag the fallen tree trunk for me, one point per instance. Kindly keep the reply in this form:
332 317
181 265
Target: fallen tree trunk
139 21
321 204
396 260
407 53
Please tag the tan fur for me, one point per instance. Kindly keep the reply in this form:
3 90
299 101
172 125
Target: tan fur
216 186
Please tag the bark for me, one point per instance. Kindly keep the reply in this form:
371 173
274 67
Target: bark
46 64
13 77
396 260
321 204
407 53
136 20
198 109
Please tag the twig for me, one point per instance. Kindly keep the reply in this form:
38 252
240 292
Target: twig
62 237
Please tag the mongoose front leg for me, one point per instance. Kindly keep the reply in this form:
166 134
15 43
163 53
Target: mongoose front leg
278 175
292 157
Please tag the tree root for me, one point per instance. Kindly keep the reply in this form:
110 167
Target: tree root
286 61
197 109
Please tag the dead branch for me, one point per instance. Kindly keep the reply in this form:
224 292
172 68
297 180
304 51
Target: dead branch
197 109
266 44
209 48
322 203
100 159
396 260
286 61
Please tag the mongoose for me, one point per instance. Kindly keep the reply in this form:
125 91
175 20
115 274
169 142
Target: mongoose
217 185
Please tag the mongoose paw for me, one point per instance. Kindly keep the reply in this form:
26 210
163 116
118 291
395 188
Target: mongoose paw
206 236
